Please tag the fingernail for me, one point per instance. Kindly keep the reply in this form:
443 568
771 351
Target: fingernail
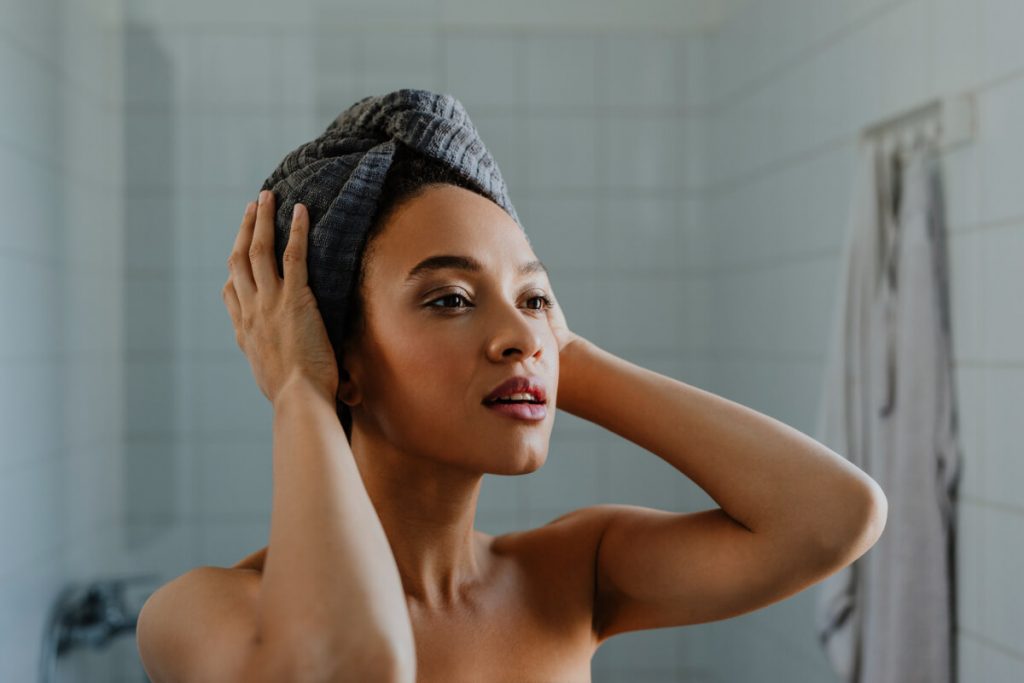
263 196
295 211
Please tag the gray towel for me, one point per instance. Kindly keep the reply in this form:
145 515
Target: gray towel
338 178
889 406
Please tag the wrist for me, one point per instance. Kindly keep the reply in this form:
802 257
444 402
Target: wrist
300 388
572 374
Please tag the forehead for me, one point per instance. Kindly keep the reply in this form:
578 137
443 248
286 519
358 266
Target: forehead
447 220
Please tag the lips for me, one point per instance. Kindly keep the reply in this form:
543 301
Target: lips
532 385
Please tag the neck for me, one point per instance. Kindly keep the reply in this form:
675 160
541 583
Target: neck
427 509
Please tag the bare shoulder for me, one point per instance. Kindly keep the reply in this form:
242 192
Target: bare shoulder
200 625
561 555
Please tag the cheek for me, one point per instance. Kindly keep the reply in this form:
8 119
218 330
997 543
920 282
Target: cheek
436 367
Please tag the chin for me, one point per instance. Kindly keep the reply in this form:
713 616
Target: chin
524 465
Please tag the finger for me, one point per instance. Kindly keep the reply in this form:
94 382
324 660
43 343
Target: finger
295 272
234 308
238 260
261 250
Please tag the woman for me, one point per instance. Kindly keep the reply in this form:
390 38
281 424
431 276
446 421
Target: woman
377 572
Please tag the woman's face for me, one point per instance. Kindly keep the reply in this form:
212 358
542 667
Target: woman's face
437 343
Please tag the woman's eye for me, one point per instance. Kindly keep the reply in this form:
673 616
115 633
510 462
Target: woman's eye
447 297
545 301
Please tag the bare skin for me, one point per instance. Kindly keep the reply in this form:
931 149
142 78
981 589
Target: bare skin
535 605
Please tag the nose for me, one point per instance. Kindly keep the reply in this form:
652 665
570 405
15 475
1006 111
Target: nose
515 331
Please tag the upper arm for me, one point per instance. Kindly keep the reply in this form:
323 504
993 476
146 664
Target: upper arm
202 626
657 569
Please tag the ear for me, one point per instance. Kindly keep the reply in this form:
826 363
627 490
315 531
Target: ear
348 379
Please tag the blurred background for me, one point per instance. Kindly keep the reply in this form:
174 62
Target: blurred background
710 148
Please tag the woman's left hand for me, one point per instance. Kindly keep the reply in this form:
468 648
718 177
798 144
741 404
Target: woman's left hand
556 319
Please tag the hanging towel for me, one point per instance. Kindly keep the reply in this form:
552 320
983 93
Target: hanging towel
888 405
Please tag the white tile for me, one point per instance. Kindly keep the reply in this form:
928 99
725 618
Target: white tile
93 392
961 187
91 490
1000 43
561 70
956 44
150 232
500 494
498 523
641 71
694 240
31 306
981 661
152 482
692 71
401 58
581 298
968 257
563 231
296 91
30 406
26 191
225 544
639 312
234 480
29 114
643 151
149 394
571 477
639 477
237 67
150 313
1004 281
209 316
563 152
1000 142
28 606
904 40
228 400
159 148
485 71
30 522
641 234
1003 563
237 150
1004 454
634 653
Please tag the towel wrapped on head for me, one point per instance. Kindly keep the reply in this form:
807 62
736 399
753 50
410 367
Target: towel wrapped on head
339 176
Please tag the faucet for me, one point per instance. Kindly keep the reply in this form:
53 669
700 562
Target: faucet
87 615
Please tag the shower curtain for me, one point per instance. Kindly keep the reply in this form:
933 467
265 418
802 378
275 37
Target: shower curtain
888 405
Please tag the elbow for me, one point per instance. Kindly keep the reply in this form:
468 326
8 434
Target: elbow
857 523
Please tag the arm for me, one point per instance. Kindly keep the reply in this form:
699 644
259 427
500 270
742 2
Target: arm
330 598
330 585
792 511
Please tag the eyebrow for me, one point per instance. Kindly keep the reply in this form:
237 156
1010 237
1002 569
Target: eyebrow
467 263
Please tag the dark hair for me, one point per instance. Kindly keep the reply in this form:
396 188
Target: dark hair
408 176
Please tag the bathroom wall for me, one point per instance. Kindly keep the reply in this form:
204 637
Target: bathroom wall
788 87
63 339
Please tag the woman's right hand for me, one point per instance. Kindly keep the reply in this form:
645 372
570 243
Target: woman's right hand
277 322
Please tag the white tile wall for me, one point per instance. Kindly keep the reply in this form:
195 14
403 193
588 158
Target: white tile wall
789 85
